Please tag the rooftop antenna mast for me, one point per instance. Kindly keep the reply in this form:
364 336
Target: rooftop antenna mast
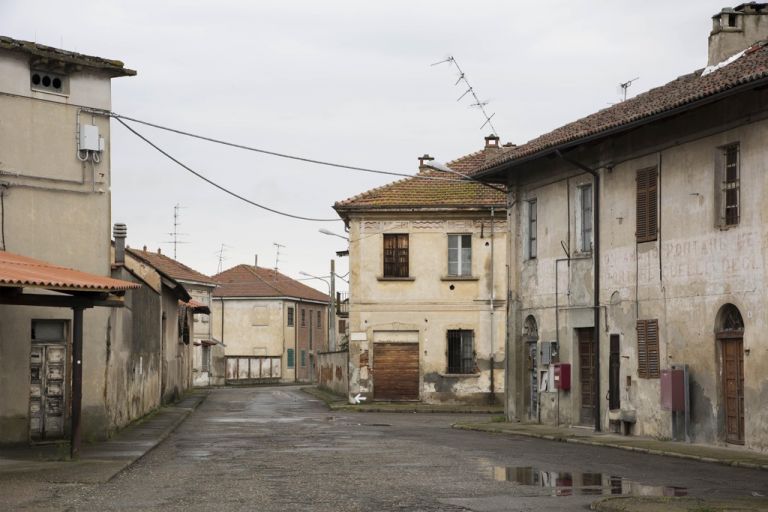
221 258
175 233
626 85
470 90
277 255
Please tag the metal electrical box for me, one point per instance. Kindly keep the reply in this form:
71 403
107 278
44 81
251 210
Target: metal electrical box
673 390
563 376
89 138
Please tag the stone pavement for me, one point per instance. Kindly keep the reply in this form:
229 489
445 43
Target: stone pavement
735 456
101 461
339 403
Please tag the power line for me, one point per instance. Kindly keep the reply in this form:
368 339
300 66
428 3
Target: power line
220 187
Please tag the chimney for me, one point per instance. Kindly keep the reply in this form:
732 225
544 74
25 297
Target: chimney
256 260
119 232
492 142
736 29
424 160
158 251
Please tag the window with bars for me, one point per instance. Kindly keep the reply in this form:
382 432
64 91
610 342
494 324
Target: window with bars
319 319
648 360
459 255
730 186
395 255
585 200
461 355
532 224
647 204
290 317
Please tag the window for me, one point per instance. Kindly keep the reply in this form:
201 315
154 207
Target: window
303 317
342 326
647 204
585 200
532 221
290 357
459 255
319 319
648 349
290 317
460 351
303 358
730 186
396 255
206 363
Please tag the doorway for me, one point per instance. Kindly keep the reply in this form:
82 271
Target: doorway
586 343
48 403
730 335
531 338
614 369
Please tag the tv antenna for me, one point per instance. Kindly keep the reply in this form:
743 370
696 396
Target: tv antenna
221 257
626 85
175 233
277 255
480 105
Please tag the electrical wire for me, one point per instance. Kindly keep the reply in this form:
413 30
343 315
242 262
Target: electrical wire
121 117
220 187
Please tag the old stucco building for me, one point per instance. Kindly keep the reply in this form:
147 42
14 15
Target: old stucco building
272 326
55 190
666 191
427 296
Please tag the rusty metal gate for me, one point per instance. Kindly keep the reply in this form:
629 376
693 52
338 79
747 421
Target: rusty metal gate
733 376
396 371
587 374
47 397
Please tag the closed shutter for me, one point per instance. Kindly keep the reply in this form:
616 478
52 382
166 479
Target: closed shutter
396 371
647 204
648 360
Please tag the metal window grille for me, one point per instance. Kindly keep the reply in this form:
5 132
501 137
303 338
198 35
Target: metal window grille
459 255
396 255
731 185
647 204
586 218
290 317
532 222
461 351
648 360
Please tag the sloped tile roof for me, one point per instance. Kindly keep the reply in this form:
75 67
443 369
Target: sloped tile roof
113 67
21 271
250 281
683 91
423 192
171 268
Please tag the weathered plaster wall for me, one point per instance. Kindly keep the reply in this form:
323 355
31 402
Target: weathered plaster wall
177 360
333 371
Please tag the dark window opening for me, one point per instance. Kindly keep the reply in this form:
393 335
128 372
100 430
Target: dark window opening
461 357
290 317
731 185
396 255
731 20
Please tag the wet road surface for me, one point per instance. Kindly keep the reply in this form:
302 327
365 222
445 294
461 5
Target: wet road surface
276 448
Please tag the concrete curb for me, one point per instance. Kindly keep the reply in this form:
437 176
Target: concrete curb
335 404
608 444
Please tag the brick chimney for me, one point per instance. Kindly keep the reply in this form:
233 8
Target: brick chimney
736 29
424 161
120 233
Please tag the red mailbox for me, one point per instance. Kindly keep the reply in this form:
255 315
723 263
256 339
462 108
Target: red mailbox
673 390
563 376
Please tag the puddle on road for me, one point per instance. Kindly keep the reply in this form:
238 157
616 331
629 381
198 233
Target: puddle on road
566 483
293 419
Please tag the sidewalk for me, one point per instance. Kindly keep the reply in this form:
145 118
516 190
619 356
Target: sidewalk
705 453
648 504
339 403
102 461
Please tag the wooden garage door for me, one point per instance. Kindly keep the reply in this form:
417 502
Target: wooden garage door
396 371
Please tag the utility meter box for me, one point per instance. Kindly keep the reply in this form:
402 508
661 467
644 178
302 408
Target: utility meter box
89 138
563 376
673 390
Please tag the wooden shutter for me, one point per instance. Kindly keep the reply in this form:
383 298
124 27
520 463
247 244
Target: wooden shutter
396 255
648 360
647 204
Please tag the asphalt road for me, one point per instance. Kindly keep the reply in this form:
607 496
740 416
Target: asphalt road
277 449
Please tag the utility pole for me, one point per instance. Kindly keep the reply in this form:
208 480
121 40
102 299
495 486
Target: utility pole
332 310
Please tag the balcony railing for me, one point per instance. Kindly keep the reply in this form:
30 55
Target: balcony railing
342 304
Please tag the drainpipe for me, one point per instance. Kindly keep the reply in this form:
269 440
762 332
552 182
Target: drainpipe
492 396
596 270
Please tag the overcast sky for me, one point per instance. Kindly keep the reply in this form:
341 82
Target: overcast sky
349 82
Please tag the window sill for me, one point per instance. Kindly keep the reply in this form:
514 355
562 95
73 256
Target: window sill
460 375
383 278
459 278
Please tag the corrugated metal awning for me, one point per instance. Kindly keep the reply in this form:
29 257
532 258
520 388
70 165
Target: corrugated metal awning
21 271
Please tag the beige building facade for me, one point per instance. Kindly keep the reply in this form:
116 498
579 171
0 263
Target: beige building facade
427 296
664 191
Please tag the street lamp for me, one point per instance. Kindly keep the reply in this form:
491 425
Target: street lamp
331 233
331 291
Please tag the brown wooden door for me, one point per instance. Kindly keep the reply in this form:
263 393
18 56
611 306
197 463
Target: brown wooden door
587 374
733 376
396 371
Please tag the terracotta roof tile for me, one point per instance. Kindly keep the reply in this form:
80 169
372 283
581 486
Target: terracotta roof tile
250 281
418 192
171 267
113 67
21 271
752 66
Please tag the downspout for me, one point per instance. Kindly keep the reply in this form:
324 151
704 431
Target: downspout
492 396
596 271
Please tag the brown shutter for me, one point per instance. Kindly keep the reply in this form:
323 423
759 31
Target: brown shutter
648 360
647 204
642 351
